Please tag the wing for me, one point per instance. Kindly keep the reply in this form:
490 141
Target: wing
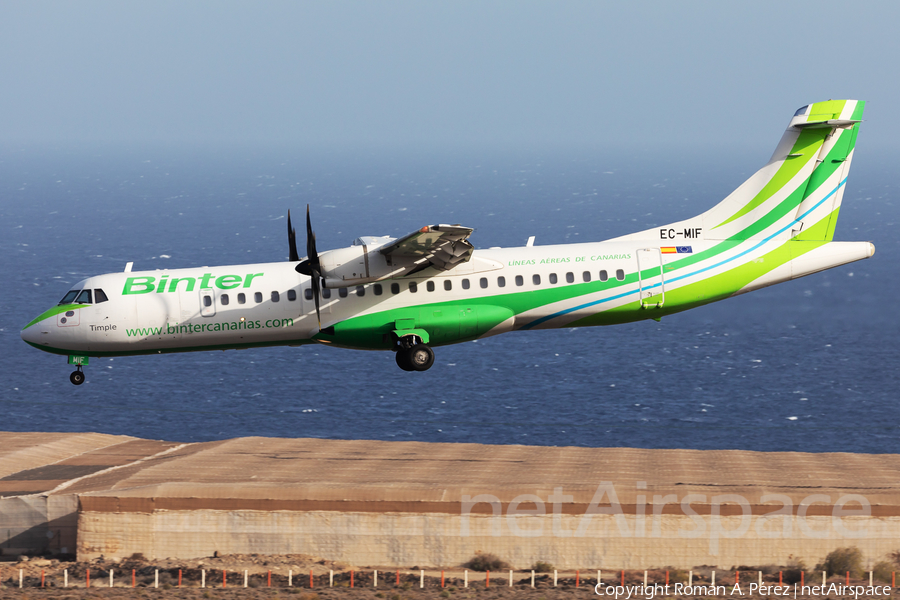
439 246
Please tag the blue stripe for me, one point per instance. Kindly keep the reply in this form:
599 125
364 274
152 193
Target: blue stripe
697 272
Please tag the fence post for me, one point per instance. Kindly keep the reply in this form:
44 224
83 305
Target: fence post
487 579
510 579
422 579
269 580
245 578
203 578
375 578
156 579
224 578
467 578
134 579
645 578
88 578
690 578
66 578
179 577
555 575
532 577
111 571
20 578
331 578
351 578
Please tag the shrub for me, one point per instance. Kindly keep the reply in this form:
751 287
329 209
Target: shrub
486 562
543 567
839 561
895 556
882 571
794 571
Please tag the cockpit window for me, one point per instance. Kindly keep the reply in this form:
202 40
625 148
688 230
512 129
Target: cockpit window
99 296
84 297
69 297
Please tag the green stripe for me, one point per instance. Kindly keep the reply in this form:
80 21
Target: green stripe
53 312
808 144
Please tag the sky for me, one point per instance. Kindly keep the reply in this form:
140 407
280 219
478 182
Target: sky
462 73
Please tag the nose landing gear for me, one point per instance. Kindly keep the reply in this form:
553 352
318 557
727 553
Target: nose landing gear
77 377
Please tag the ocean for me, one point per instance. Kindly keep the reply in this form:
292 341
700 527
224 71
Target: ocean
810 365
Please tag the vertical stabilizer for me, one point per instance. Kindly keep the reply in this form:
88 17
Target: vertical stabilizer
797 194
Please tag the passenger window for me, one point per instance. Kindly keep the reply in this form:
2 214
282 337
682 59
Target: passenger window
326 293
520 280
99 296
620 274
501 281
275 297
377 289
448 285
536 279
586 276
207 300
360 290
292 295
242 299
84 297
258 297
224 299
603 276
69 297
570 277
465 284
553 278
483 282
395 288
429 286
343 292
413 288
307 293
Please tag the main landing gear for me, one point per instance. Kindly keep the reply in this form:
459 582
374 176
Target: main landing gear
77 377
413 355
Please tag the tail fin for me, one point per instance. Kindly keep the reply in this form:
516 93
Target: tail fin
796 195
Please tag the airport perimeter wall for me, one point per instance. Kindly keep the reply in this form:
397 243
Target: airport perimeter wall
430 539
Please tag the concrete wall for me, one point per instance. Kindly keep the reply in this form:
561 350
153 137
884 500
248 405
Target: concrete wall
25 522
600 541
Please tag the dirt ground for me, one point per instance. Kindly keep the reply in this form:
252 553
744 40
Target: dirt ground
267 578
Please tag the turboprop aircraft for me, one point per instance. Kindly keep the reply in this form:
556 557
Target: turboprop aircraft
431 287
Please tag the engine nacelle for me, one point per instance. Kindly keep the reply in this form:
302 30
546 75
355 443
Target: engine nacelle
360 263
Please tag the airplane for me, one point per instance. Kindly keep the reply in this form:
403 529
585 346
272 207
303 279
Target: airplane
432 288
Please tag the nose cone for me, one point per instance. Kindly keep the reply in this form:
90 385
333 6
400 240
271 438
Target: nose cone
31 333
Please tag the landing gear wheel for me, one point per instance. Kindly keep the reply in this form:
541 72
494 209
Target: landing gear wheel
421 357
402 357
77 377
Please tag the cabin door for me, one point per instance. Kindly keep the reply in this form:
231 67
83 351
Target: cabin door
651 281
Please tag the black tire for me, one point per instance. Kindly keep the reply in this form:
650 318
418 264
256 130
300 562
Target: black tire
77 377
402 357
421 357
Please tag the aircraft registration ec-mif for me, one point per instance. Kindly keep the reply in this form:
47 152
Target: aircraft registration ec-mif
431 287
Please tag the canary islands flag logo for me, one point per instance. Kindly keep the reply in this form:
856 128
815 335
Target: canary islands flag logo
676 250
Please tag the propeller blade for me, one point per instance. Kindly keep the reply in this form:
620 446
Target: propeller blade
292 241
311 265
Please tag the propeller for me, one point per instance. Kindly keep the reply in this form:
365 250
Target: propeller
292 240
311 265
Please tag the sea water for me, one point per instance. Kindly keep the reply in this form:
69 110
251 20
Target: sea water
809 365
